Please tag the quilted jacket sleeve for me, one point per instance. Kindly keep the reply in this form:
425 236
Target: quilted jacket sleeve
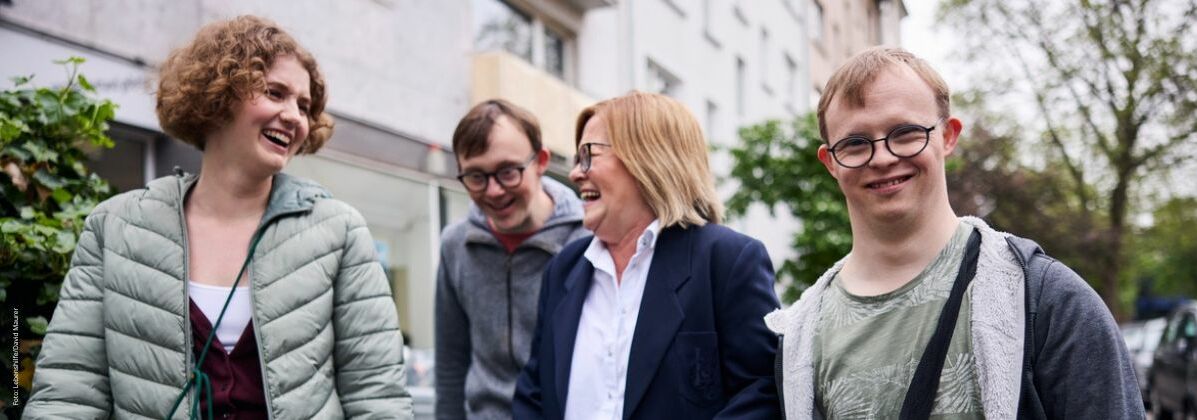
71 378
368 353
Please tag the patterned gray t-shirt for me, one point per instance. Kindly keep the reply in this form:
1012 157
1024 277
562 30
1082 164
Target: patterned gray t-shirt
867 347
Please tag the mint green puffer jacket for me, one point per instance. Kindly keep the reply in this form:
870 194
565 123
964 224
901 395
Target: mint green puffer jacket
119 344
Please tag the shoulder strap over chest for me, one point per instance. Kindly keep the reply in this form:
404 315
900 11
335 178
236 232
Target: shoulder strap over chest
1030 406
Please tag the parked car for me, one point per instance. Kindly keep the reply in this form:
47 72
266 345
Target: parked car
1142 338
1173 377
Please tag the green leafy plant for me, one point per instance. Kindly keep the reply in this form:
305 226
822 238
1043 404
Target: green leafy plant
46 191
776 165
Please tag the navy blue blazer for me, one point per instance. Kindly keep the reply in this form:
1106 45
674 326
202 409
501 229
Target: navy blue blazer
700 350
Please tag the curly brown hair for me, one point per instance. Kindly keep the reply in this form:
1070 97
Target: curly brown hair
226 63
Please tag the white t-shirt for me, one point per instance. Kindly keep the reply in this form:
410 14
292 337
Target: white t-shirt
211 298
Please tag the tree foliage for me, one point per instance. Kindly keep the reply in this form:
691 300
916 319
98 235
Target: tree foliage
1114 91
45 189
1167 249
988 177
775 164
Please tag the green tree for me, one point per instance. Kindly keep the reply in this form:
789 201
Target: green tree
1114 88
1166 250
45 191
776 164
988 177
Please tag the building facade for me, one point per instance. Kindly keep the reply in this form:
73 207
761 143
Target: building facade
840 28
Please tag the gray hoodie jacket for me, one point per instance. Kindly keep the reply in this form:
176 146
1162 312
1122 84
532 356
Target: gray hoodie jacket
1082 369
486 307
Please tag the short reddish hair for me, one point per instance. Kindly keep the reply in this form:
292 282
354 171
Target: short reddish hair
226 63
852 78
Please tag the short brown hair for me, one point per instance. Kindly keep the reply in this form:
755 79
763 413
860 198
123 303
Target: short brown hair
470 137
854 76
662 145
226 63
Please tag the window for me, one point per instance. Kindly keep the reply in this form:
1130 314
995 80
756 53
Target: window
712 122
675 7
738 13
662 81
707 30
791 91
455 205
498 26
816 93
1188 328
793 10
554 53
140 155
876 37
124 166
764 61
740 86
706 15
816 21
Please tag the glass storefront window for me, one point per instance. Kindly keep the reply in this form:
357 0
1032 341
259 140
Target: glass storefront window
455 205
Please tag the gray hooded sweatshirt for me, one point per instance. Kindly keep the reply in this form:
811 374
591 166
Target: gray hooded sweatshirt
486 303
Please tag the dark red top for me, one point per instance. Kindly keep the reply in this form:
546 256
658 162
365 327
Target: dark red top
236 378
511 240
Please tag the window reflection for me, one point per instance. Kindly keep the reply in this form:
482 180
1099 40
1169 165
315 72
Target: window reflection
498 26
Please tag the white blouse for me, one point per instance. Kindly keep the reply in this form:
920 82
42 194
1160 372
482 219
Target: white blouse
599 369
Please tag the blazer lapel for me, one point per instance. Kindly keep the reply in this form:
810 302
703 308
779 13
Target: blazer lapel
661 313
565 323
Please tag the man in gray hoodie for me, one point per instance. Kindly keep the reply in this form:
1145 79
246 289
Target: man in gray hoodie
491 263
931 314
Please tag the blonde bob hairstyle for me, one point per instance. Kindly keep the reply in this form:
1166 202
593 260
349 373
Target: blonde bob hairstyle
662 145
852 78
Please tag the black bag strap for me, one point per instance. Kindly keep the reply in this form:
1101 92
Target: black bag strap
1030 406
920 397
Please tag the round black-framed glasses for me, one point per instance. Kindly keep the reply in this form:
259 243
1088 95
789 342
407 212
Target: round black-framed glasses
508 177
904 141
585 155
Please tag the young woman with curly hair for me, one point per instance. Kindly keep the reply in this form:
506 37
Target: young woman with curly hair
240 292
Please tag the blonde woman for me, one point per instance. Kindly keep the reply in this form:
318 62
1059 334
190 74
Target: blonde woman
658 315
238 293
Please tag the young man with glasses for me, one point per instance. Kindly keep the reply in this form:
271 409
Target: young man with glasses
491 263
932 314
